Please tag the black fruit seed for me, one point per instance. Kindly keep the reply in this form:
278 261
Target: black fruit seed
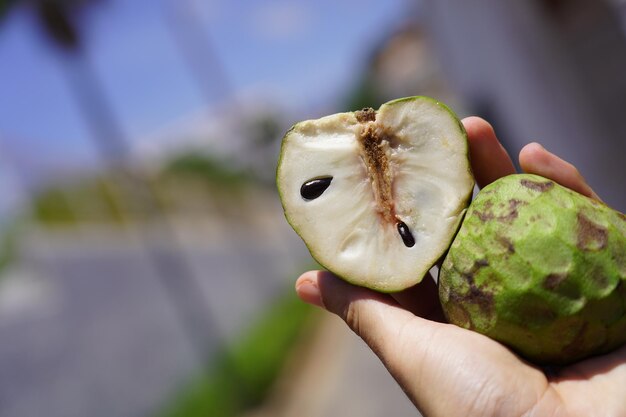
312 189
405 234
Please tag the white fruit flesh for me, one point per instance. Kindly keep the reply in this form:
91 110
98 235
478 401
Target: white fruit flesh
410 164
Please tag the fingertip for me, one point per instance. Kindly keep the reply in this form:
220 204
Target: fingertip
533 148
478 128
489 159
535 159
324 289
336 294
307 276
307 288
530 154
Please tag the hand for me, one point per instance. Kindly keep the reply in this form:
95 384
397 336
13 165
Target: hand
449 371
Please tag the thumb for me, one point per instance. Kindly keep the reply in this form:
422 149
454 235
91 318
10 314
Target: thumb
443 369
377 318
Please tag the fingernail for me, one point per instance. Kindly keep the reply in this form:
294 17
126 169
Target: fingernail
309 292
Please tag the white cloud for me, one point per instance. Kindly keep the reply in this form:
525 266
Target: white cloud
282 19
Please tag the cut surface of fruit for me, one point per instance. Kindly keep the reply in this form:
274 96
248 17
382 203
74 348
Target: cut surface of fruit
377 196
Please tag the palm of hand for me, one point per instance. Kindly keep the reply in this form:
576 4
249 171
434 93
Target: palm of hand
449 371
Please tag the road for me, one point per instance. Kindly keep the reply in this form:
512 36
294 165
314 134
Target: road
88 329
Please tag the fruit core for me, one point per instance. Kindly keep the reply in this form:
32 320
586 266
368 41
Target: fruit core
374 142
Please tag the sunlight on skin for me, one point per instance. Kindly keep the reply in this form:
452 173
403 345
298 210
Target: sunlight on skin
535 159
446 370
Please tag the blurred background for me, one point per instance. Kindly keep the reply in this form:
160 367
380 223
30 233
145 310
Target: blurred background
146 268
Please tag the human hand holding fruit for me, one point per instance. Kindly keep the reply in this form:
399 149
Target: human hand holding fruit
446 370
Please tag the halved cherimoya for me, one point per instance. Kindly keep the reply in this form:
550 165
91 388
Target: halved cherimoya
377 195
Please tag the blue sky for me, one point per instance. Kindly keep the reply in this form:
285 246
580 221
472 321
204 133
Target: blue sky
298 53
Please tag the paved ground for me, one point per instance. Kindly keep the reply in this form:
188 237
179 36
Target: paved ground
87 329
335 374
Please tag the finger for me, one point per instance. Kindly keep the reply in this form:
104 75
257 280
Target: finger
377 318
422 299
490 160
535 159
394 334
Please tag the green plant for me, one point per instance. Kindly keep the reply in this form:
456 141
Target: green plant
242 374
205 167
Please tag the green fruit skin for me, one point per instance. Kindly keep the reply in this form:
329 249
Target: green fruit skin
539 268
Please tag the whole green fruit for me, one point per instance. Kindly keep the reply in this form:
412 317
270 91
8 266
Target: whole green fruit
539 268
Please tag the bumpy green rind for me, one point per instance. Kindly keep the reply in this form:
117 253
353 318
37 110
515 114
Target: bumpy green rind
539 268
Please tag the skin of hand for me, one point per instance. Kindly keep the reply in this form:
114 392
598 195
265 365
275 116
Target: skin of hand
449 371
